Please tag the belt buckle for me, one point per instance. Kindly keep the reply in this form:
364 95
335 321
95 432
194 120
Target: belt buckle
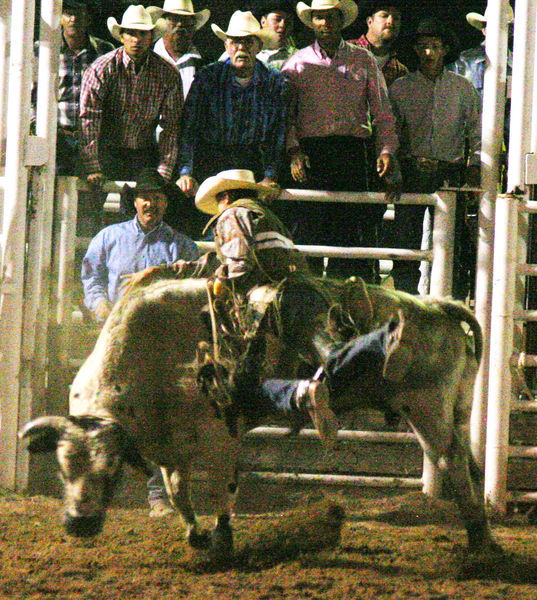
428 165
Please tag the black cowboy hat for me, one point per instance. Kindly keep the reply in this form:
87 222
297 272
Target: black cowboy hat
433 27
260 8
74 5
370 8
147 180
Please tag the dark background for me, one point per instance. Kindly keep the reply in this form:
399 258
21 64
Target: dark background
451 12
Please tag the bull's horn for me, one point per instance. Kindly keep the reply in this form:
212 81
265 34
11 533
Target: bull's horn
43 433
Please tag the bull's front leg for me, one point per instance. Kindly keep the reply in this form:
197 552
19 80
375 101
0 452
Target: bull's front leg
223 491
177 484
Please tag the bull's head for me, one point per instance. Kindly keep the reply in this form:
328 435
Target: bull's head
91 452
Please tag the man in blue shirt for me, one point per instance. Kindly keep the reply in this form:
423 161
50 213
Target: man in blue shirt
235 113
472 63
131 246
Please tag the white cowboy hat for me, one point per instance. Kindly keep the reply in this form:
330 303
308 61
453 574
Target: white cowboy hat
480 21
233 179
180 7
347 7
243 24
135 17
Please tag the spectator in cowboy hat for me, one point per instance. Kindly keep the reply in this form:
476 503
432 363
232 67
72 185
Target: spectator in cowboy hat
125 95
78 50
439 116
176 44
277 15
133 245
472 63
338 94
383 19
235 113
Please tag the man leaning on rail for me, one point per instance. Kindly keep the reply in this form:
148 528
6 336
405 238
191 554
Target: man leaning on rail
254 248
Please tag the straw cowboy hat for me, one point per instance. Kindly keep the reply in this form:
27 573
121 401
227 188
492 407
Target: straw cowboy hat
233 179
180 7
135 17
243 24
480 21
347 7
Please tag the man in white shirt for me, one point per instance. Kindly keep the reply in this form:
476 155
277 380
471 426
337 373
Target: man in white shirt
176 44
438 116
180 23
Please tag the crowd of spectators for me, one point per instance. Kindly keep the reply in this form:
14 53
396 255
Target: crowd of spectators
335 115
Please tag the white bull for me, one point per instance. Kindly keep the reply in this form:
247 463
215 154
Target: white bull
136 395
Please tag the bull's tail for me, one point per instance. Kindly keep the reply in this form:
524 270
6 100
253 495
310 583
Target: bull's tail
460 312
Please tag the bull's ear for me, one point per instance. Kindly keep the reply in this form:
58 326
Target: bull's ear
43 433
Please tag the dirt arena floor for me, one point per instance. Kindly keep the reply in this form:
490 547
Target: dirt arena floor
289 544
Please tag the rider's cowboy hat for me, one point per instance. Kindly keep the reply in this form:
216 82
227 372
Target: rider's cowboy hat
180 7
234 179
348 9
243 24
480 21
135 17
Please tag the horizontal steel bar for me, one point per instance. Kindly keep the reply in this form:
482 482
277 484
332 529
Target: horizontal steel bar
524 406
333 251
522 451
343 435
327 479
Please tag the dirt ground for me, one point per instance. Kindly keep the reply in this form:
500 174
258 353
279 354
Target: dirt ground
404 546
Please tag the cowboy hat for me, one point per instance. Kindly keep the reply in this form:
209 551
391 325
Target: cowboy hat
480 21
348 9
243 24
146 180
376 6
180 7
233 179
261 8
135 17
433 27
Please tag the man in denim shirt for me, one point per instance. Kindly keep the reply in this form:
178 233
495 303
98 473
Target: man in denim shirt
131 246
471 63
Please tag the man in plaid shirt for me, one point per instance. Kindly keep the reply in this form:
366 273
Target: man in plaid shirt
125 95
383 24
78 51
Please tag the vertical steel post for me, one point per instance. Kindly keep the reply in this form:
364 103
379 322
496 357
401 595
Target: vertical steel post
491 147
501 349
441 283
14 233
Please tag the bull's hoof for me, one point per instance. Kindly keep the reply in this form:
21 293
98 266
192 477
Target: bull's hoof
221 548
200 541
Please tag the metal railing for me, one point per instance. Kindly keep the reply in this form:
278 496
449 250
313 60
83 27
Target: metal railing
440 256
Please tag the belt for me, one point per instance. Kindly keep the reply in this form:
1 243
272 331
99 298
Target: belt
67 131
432 165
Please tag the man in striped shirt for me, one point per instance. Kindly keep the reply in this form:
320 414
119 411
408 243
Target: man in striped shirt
125 95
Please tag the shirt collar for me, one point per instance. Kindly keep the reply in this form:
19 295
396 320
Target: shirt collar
191 53
66 50
430 81
139 229
255 77
322 54
128 63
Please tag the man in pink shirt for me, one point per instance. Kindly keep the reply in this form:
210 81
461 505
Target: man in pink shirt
339 96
